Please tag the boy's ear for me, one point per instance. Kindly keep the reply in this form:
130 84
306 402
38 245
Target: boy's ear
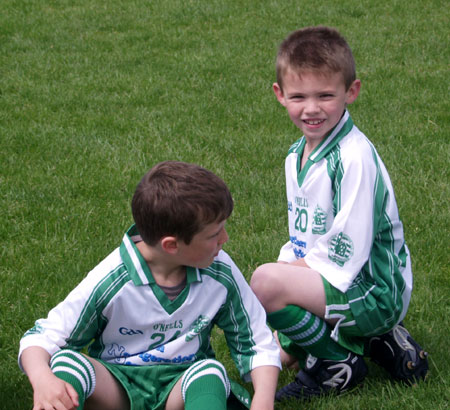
279 93
353 91
169 244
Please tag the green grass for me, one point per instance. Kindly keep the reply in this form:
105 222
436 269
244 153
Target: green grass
94 93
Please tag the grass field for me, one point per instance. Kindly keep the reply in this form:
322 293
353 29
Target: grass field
94 93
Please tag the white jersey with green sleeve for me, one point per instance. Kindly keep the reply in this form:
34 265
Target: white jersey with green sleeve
343 218
125 318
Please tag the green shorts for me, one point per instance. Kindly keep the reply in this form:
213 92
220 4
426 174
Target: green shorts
355 322
148 387
347 331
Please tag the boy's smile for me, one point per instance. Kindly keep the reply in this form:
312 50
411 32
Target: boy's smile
315 101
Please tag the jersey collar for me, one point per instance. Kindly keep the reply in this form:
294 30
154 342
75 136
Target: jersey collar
341 129
136 266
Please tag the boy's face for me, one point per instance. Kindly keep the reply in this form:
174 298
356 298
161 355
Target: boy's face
205 245
315 101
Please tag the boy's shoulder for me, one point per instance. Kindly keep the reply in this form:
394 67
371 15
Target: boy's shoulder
224 271
109 263
347 137
346 142
222 265
356 146
110 270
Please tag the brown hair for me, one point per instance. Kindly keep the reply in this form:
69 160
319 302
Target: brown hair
316 49
178 199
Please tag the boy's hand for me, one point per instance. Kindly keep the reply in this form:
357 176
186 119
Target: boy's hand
50 392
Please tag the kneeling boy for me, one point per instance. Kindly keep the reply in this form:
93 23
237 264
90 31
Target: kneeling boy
346 279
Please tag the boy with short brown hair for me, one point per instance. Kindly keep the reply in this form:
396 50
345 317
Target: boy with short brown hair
147 310
344 277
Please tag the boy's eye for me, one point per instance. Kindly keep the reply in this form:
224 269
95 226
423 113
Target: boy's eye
325 96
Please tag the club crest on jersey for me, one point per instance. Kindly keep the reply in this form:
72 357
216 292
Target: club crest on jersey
197 327
36 329
319 221
340 248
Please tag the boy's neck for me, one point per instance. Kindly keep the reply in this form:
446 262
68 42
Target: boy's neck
310 146
164 272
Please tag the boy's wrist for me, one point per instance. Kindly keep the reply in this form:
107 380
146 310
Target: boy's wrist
261 403
264 381
36 364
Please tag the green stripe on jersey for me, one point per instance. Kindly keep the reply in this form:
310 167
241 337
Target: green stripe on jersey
335 171
233 314
384 228
89 322
383 264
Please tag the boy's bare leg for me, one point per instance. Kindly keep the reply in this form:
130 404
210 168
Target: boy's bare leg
290 294
175 400
279 284
109 393
287 360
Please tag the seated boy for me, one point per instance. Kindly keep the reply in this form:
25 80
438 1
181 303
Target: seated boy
147 310
344 278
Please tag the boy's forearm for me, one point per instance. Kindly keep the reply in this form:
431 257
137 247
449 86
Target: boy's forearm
264 379
35 362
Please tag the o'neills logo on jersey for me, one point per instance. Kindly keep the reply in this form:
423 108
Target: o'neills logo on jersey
164 327
301 202
340 248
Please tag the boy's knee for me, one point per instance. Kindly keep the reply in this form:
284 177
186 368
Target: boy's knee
263 283
207 366
72 358
74 368
205 369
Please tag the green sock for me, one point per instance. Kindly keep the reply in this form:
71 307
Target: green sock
75 369
307 332
205 386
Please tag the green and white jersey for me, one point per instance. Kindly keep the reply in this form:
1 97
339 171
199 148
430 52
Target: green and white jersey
125 318
343 219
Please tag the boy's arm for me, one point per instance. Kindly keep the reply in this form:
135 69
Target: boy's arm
48 390
243 320
72 323
264 379
358 199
